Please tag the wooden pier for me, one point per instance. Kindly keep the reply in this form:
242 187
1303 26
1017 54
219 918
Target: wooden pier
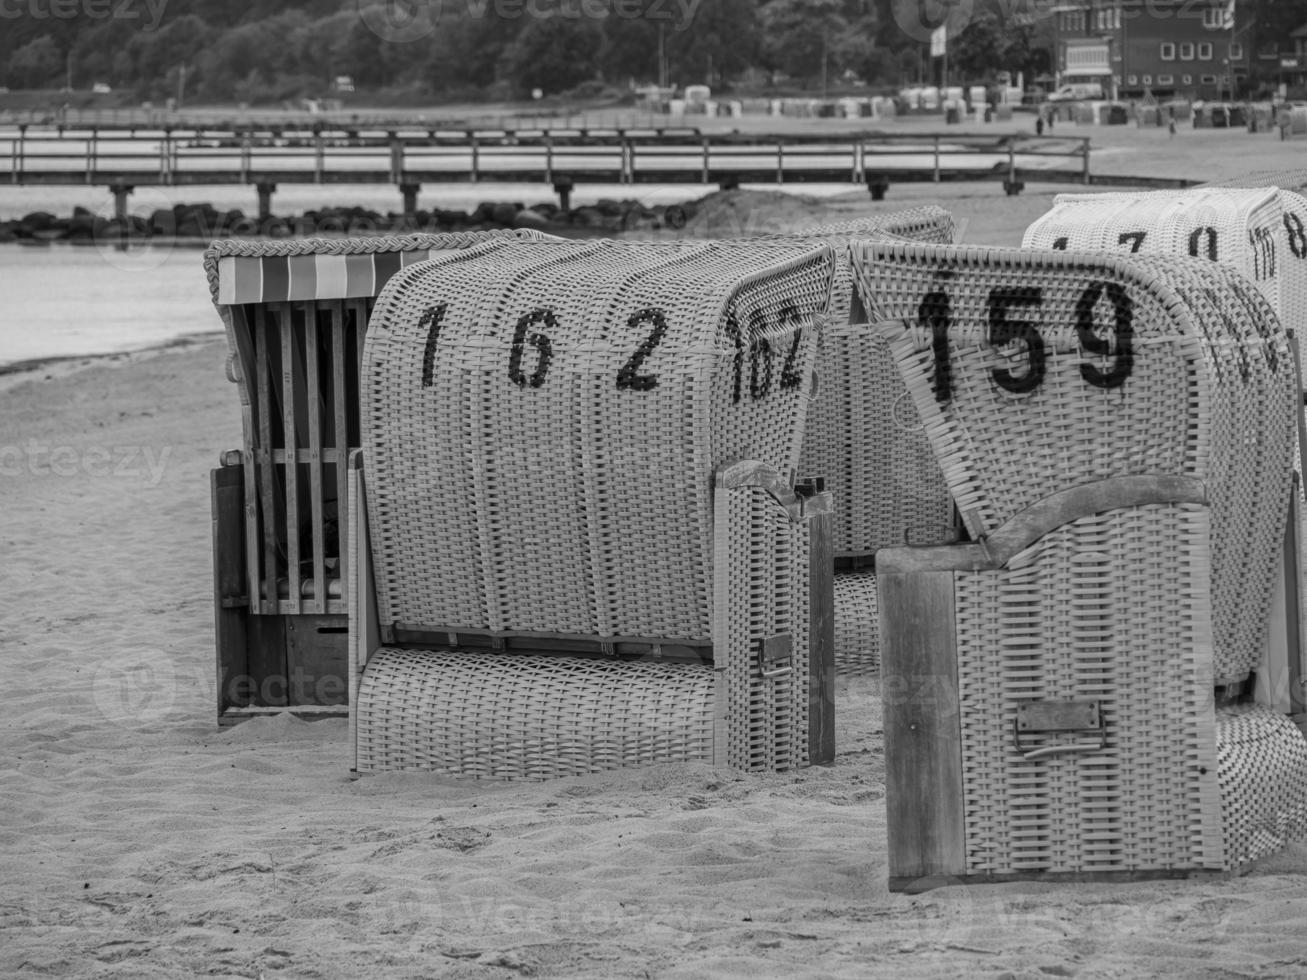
123 158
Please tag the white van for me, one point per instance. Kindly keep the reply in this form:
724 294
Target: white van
1080 92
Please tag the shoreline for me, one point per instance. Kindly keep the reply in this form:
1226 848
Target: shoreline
16 373
983 216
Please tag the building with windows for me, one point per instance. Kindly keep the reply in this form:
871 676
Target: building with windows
1163 48
1289 58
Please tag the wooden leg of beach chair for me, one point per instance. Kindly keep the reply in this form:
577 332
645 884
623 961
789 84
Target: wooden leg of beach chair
230 601
923 740
364 632
821 639
773 633
1279 674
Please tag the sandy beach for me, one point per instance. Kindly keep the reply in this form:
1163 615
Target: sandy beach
137 839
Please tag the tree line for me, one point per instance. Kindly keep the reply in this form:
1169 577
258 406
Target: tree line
272 50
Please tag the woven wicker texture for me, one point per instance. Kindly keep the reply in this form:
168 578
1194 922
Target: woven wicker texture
1108 608
1040 371
1183 370
1239 227
857 623
537 714
864 439
1292 306
761 582
543 424
543 420
1289 180
1262 232
490 715
1262 760
1237 224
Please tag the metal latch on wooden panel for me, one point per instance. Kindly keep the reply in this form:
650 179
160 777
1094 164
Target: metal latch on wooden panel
1048 717
776 655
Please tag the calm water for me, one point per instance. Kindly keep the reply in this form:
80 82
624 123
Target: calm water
64 300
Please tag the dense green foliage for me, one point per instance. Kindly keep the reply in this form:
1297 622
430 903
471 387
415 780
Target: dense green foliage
271 50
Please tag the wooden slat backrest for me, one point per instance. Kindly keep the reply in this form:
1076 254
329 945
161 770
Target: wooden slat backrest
295 313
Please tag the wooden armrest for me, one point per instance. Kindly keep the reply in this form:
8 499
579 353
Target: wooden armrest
1034 522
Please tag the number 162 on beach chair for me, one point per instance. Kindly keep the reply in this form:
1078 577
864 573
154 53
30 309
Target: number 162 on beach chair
576 541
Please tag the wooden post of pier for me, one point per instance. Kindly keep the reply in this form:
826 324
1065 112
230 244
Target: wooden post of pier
120 194
18 156
90 155
410 192
563 188
476 157
1012 186
396 157
937 159
1084 152
319 155
165 156
780 161
265 189
705 159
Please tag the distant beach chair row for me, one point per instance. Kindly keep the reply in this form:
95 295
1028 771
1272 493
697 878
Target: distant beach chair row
536 508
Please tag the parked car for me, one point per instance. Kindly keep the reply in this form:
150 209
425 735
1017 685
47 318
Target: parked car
1079 92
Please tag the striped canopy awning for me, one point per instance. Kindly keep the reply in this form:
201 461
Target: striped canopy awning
278 278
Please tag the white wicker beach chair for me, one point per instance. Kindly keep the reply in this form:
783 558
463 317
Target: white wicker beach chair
1244 228
1119 447
578 543
295 313
1262 232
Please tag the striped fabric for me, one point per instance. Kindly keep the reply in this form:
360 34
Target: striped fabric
277 278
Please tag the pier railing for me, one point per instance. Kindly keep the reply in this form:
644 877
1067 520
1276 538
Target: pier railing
136 156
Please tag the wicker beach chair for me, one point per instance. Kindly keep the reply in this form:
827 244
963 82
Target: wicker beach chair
1241 227
1291 187
578 543
864 440
1289 180
1262 232
1119 447
295 313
